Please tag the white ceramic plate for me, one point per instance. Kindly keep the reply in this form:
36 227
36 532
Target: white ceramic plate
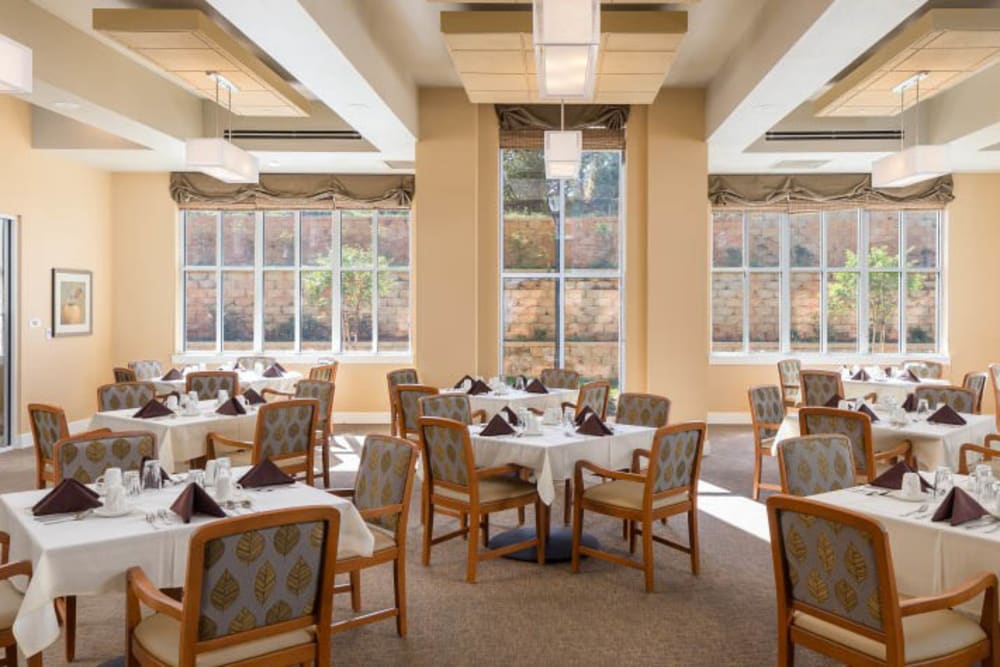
107 514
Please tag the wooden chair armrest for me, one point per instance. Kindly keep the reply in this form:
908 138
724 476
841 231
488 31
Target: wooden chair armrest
4 547
264 393
603 472
497 471
902 449
963 466
771 425
219 439
636 455
567 404
19 568
151 596
872 397
992 437
343 493
480 415
983 581
537 411
376 512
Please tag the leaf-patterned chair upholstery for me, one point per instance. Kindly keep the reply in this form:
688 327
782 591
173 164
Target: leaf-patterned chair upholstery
324 392
123 395
958 399
977 383
85 458
250 363
382 491
818 387
814 464
327 372
258 590
593 395
789 376
48 426
406 398
393 378
925 369
667 487
450 406
767 412
837 595
456 484
208 384
124 374
643 410
857 426
146 369
559 378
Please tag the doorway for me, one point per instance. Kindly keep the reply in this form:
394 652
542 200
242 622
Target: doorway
8 428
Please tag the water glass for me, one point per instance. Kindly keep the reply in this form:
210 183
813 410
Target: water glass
211 467
922 408
942 481
224 466
133 484
151 478
223 486
197 476
519 383
983 478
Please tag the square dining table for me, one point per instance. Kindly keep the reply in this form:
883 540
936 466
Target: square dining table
90 556
248 380
494 402
885 388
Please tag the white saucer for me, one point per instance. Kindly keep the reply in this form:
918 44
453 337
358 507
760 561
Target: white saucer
107 514
898 495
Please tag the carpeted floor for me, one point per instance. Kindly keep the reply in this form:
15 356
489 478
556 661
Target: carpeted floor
523 613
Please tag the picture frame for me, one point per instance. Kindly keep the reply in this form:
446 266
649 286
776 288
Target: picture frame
72 302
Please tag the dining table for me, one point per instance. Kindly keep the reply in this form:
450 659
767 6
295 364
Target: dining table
89 554
494 401
886 389
249 379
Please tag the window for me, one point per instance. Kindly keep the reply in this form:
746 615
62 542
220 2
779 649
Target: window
561 268
296 281
850 281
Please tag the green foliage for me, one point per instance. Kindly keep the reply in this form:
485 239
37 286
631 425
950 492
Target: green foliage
355 295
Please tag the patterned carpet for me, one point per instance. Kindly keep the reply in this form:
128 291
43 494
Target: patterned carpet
523 613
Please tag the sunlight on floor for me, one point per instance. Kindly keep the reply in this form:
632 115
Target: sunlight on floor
737 511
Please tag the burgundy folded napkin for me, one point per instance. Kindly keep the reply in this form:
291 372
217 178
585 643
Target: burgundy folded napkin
231 407
163 473
582 417
458 385
253 398
910 404
68 496
536 387
497 426
834 401
946 415
153 408
958 507
265 473
172 374
868 411
280 367
861 375
273 371
909 376
511 416
479 387
889 371
893 478
194 500
593 425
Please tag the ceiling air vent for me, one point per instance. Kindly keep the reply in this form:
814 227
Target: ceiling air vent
799 164
834 135
294 135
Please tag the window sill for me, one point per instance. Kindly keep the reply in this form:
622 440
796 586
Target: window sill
812 359
304 359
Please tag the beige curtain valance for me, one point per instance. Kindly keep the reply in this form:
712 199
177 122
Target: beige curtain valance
192 190
523 126
811 192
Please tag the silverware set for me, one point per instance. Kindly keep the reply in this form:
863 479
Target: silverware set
49 520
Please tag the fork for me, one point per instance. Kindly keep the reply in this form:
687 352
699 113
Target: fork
76 517
919 510
151 520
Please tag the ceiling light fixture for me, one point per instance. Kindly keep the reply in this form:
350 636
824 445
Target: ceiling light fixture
916 163
566 35
15 67
563 150
217 157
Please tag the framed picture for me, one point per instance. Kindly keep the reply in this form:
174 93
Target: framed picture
72 308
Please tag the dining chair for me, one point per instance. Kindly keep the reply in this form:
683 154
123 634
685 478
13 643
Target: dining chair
559 378
124 374
285 433
407 399
382 490
857 426
924 369
326 372
994 370
767 412
667 487
208 384
324 393
258 591
836 592
789 371
813 464
393 378
818 387
977 383
122 395
11 598
647 410
86 457
958 399
48 426
250 363
146 369
457 484
983 453
593 395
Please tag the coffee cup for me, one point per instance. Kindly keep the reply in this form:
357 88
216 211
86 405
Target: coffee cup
172 402
111 478
911 485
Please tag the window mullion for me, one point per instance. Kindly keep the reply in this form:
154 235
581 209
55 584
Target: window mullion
335 287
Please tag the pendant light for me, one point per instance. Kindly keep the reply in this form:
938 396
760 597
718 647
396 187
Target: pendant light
916 163
566 36
563 150
15 67
217 157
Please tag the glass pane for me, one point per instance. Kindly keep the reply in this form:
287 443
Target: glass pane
883 312
530 206
921 312
883 239
842 312
529 337
356 239
238 238
316 325
805 239
199 310
394 239
279 310
199 238
279 238
356 310
765 312
842 238
727 239
592 328
804 292
237 309
393 311
316 238
727 312
921 228
765 243
592 213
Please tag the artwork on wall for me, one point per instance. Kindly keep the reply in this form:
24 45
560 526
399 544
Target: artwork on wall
72 308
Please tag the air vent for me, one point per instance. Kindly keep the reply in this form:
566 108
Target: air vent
294 135
834 135
799 164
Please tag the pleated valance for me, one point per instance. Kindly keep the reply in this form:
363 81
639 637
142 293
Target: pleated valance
523 126
811 192
193 190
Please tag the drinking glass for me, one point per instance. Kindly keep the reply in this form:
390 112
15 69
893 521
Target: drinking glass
922 408
982 477
133 484
197 476
151 475
942 481
225 466
519 383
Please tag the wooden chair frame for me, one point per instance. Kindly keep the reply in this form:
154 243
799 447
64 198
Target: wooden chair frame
316 372
400 430
904 448
984 450
563 370
783 469
938 367
325 433
8 571
637 394
100 433
893 609
208 374
760 450
790 403
645 516
140 590
393 408
100 390
122 374
577 408
477 511
993 370
395 555
257 451
804 392
920 389
264 359
980 392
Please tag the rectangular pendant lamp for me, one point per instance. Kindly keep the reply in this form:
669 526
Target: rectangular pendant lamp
566 35
563 150
15 67
222 160
911 165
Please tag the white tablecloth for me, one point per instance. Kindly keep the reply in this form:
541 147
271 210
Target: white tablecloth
898 389
180 438
553 455
492 403
933 444
90 557
248 380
